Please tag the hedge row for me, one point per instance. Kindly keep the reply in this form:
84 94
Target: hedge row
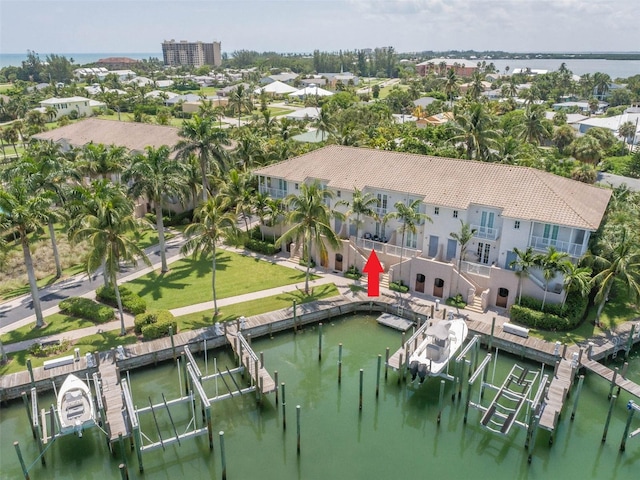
554 318
131 302
86 308
260 246
353 273
398 287
155 324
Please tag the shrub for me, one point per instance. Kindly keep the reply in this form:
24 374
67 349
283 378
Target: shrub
87 308
260 246
131 302
398 286
304 263
37 349
456 301
353 273
156 324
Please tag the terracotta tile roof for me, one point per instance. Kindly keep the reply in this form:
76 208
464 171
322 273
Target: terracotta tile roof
133 136
521 192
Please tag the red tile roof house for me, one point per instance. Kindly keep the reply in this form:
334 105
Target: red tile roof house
508 206
461 66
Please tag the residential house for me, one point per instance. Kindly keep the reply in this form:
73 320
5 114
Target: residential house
582 106
345 78
612 123
507 206
82 106
461 66
286 77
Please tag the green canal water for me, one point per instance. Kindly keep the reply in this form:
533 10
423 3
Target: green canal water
394 436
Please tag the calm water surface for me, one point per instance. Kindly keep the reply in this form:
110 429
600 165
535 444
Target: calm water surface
393 437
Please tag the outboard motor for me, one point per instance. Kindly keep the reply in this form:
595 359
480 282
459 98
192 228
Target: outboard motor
422 372
413 368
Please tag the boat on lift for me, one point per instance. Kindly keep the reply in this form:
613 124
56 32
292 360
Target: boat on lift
441 342
75 406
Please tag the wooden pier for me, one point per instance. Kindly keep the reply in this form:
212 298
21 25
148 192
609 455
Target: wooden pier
250 361
553 401
111 393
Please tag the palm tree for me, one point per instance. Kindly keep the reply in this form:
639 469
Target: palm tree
627 131
361 204
24 211
309 217
601 82
525 261
587 149
199 137
324 124
463 237
260 205
535 127
576 279
156 176
551 263
238 188
98 159
476 87
108 233
451 85
475 128
410 217
240 101
619 260
213 222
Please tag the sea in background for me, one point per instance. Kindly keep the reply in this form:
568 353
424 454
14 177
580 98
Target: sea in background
614 68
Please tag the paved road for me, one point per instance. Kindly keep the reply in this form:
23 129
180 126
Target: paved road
21 308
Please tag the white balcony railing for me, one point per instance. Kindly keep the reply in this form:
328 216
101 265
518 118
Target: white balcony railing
387 248
542 244
273 192
485 232
476 269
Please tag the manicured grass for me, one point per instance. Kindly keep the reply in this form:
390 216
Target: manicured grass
384 91
56 323
208 91
279 110
254 307
92 343
189 281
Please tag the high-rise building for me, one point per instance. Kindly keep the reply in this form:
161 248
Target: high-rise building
191 53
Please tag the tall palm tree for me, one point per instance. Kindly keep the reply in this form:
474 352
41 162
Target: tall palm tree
463 237
601 82
475 128
24 211
535 128
238 188
98 159
325 124
199 137
240 101
525 261
409 217
213 222
361 204
450 85
619 260
108 234
309 217
551 263
156 176
576 279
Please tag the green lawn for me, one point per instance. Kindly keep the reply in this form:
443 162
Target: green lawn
254 307
279 111
93 343
56 323
189 281
208 91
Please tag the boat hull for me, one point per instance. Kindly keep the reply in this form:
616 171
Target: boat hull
76 410
441 343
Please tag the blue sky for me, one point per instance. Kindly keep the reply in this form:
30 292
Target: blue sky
85 26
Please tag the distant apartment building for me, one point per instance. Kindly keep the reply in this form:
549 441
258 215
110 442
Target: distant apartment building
194 54
461 66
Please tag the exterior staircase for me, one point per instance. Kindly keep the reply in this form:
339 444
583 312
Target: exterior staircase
384 280
476 306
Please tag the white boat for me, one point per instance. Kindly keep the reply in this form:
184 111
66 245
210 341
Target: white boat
441 342
75 406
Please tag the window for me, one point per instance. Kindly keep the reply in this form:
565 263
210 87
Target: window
516 224
339 194
455 214
436 211
297 187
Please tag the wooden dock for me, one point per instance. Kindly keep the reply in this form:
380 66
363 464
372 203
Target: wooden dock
112 399
608 374
250 361
553 401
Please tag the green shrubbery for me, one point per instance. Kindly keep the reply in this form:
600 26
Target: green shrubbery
456 301
87 308
353 273
131 302
555 317
260 246
155 324
398 286
38 349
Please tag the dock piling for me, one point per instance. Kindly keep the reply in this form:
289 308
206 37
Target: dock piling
386 364
124 473
222 456
320 341
631 407
173 343
378 375
400 369
25 472
275 377
493 326
25 400
298 425
575 400
627 350
284 412
606 423
340 363
613 382
361 382
440 401
30 368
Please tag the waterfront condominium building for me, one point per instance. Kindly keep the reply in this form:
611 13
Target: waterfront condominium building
193 54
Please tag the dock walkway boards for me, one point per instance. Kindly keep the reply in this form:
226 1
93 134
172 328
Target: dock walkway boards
556 395
607 374
112 393
261 378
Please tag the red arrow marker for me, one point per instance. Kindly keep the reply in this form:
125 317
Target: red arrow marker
373 269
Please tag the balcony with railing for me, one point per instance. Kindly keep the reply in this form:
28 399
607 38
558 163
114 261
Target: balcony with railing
387 248
476 269
486 233
273 192
542 244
